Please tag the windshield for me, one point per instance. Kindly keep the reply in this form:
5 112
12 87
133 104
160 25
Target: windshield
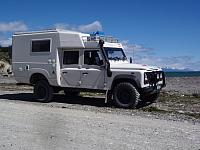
115 53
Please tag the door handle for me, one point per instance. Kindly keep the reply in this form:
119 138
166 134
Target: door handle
85 73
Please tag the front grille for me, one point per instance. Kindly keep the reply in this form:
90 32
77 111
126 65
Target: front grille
153 78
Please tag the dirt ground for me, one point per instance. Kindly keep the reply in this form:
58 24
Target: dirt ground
81 124
86 122
183 85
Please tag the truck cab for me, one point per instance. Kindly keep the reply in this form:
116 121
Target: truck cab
54 60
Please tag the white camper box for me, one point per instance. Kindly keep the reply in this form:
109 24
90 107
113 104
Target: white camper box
45 60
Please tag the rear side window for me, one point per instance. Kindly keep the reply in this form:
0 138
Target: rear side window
41 46
70 57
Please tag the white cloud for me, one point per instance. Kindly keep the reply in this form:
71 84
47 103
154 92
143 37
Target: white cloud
92 27
180 62
6 28
145 55
135 47
6 42
63 26
13 26
95 26
132 50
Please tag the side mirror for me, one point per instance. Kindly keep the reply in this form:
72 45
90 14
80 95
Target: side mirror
131 60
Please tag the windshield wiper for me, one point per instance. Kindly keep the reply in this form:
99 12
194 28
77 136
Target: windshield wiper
116 58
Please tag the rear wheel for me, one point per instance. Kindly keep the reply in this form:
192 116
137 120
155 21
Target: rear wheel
43 92
56 89
125 95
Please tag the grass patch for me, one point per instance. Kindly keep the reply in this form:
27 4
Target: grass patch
184 99
91 94
6 53
13 87
196 95
154 109
194 115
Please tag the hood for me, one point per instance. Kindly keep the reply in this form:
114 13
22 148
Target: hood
129 66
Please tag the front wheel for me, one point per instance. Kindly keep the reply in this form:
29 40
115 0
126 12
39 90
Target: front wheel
43 92
125 95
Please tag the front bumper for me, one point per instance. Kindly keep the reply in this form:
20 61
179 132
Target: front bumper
154 86
151 90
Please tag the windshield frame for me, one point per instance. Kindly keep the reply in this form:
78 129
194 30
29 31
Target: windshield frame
123 58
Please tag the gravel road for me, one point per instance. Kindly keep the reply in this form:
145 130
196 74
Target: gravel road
28 125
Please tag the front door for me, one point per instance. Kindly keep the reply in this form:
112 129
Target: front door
92 71
70 72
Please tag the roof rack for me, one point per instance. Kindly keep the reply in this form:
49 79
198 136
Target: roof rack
96 38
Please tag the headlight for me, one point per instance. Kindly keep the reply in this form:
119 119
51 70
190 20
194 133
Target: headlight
158 76
145 79
161 76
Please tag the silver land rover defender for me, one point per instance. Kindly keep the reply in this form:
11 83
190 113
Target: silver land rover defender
54 60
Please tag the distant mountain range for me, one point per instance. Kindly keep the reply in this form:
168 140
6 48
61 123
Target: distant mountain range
176 70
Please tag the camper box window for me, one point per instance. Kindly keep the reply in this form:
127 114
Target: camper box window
41 45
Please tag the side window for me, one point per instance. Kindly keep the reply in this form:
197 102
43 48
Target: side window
70 57
40 45
92 58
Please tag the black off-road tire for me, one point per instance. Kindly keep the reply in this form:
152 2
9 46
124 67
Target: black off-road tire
125 95
56 89
43 92
71 93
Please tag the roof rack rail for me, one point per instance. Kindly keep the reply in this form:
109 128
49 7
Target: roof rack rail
93 38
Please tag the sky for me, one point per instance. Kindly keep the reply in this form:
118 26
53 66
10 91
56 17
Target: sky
164 33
